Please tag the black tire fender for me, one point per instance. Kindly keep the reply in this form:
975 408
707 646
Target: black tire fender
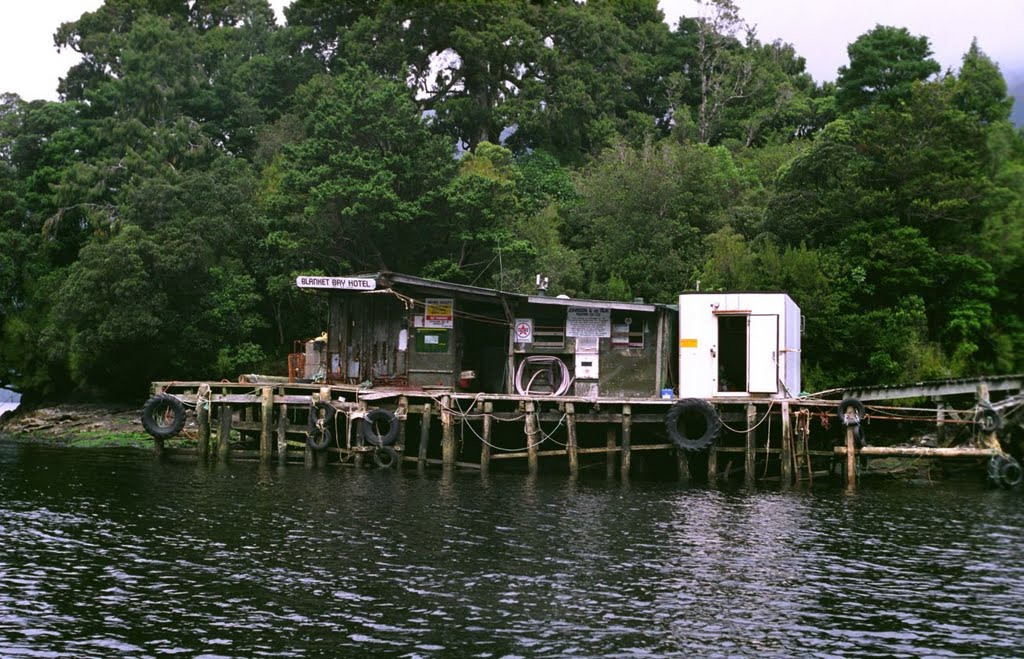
318 436
385 457
988 420
688 415
163 416
858 408
1010 473
369 427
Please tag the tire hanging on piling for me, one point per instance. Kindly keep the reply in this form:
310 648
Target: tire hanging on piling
369 427
858 408
1005 471
988 420
689 410
163 416
318 434
385 457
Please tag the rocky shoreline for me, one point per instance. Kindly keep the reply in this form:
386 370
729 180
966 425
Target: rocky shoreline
73 423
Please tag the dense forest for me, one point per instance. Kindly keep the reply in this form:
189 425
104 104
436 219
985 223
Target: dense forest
153 220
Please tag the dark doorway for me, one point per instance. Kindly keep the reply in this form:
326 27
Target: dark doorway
732 353
484 350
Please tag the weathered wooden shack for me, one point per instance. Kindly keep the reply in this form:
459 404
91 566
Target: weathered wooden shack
416 370
390 329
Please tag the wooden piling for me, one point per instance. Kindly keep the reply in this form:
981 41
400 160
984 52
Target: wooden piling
447 433
421 459
713 463
224 435
683 462
786 447
749 475
940 423
320 457
357 459
403 414
266 415
627 433
987 439
203 419
851 457
570 443
282 433
610 455
485 445
532 437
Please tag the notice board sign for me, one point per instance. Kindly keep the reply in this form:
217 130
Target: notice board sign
588 322
338 283
524 330
440 312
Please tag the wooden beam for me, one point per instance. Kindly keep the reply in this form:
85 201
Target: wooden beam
786 466
447 433
424 435
627 427
570 443
224 436
266 414
916 451
203 419
485 445
749 475
532 437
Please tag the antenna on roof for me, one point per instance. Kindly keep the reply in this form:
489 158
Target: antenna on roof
542 284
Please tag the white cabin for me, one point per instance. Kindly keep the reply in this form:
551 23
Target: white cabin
739 344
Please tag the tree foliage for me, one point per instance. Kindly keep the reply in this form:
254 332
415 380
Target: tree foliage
153 220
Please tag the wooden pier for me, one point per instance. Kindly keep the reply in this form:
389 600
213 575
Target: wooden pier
788 440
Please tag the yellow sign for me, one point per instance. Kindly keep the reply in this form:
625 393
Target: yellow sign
439 312
687 343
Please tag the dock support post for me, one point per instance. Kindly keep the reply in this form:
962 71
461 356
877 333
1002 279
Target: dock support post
749 475
940 423
203 419
851 452
851 458
610 454
357 459
713 463
485 446
403 414
786 447
627 432
266 415
570 443
988 439
683 460
531 437
447 434
224 435
421 459
321 455
282 433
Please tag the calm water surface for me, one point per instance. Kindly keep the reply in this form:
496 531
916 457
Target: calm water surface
115 554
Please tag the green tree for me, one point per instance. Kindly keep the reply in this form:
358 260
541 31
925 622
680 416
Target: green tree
361 185
643 214
884 64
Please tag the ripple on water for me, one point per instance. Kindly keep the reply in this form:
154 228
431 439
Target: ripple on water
120 555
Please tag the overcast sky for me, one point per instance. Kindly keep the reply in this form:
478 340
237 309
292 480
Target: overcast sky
819 29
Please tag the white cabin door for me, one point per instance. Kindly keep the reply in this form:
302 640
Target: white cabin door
762 354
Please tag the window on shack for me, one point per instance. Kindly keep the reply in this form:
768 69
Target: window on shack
549 331
627 330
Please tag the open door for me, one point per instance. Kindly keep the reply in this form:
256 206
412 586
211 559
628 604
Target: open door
762 354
